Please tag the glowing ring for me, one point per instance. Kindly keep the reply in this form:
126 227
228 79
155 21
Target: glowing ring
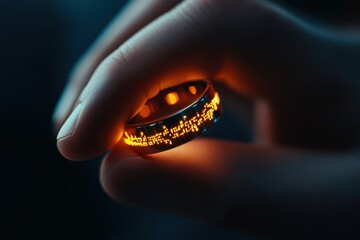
173 117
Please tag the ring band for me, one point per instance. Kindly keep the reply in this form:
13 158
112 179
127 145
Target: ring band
175 116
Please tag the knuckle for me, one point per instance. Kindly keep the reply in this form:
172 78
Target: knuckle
201 12
210 8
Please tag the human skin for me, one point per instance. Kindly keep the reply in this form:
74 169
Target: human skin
303 172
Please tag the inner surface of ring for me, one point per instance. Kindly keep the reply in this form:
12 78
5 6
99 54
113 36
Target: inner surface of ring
169 101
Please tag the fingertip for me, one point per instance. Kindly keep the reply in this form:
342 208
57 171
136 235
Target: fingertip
155 182
80 146
122 178
79 138
57 117
74 149
125 176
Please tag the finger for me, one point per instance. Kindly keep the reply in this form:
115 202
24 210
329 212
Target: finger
253 188
187 179
176 47
135 16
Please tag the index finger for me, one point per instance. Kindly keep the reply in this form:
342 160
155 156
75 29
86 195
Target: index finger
175 48
135 16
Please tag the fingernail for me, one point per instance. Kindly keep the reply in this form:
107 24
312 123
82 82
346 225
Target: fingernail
69 126
63 107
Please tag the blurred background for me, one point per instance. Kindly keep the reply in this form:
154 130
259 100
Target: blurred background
43 196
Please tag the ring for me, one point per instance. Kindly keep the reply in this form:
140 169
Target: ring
173 117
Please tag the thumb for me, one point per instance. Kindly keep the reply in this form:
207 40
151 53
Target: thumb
202 179
254 188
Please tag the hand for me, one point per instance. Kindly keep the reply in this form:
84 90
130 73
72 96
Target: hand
304 80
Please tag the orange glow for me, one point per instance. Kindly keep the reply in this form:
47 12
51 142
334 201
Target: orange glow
192 90
145 111
185 126
172 98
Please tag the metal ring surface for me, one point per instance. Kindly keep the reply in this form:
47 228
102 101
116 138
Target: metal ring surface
175 116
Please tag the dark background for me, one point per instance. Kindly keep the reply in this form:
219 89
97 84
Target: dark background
43 196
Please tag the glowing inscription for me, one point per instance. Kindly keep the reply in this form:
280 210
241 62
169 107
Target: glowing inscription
185 126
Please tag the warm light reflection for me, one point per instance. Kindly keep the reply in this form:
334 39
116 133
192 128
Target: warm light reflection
145 111
192 90
172 98
184 127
